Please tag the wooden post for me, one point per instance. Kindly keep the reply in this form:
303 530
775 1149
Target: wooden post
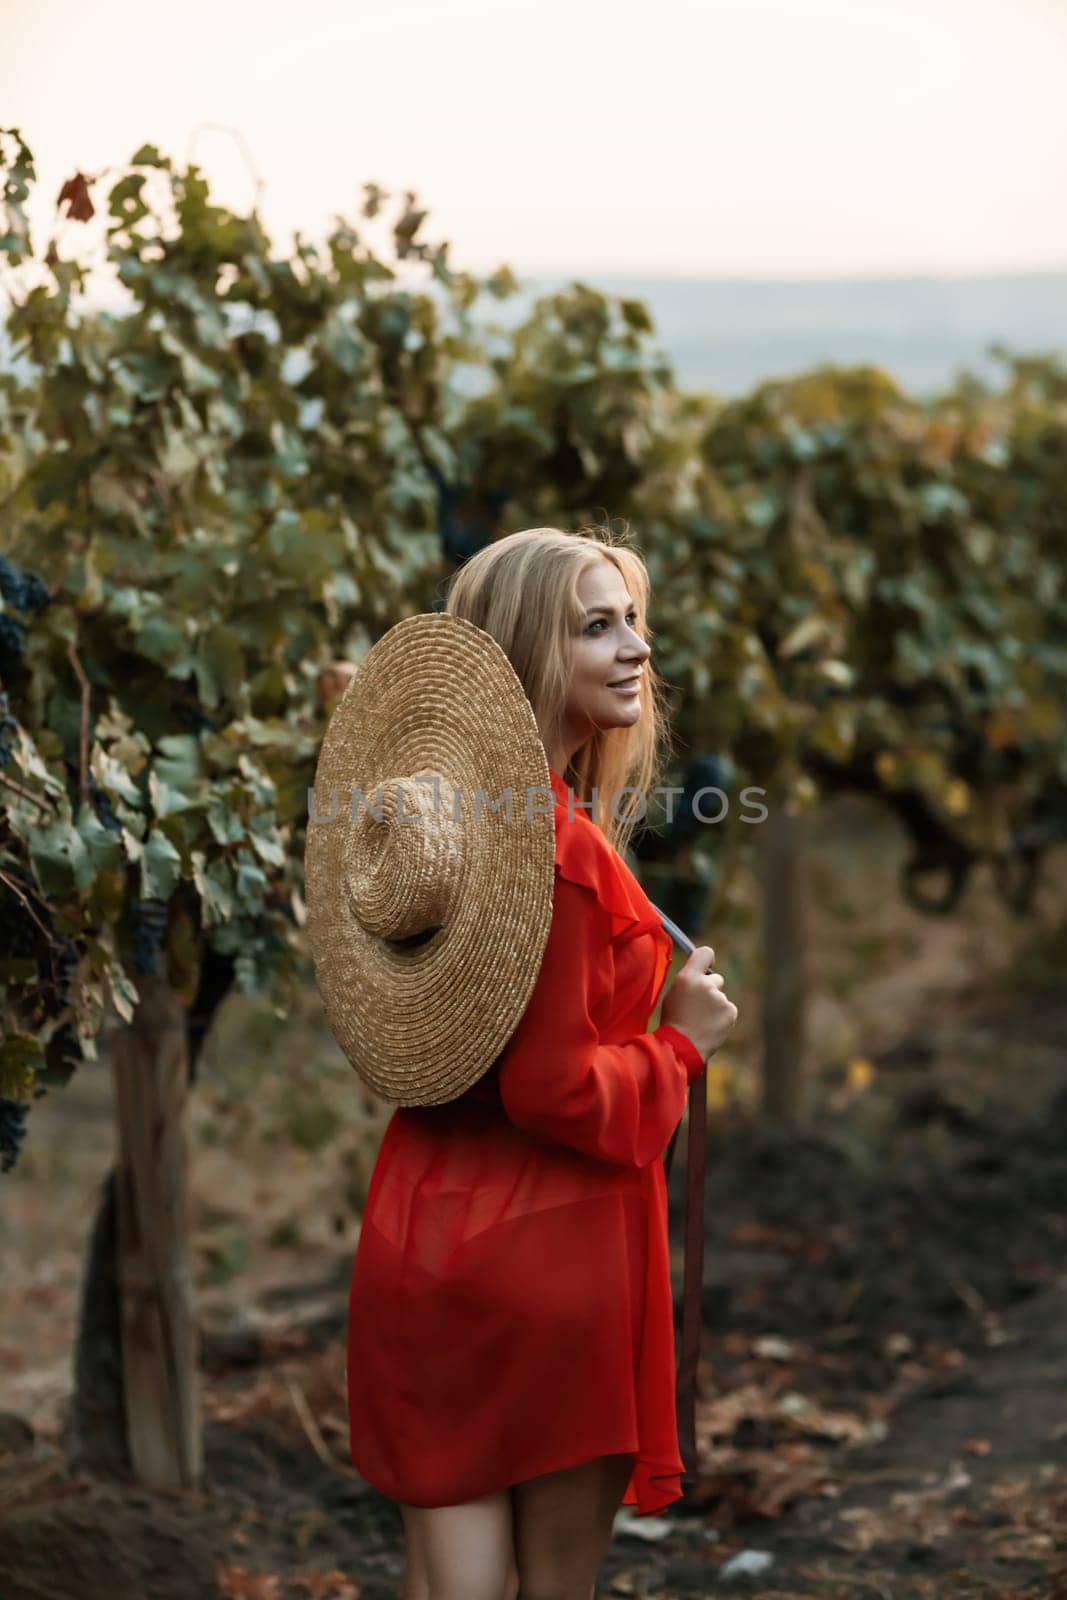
159 1333
783 839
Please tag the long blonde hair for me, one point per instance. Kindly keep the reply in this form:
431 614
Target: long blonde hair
522 590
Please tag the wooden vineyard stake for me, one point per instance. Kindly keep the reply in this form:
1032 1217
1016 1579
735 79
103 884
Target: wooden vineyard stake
159 1332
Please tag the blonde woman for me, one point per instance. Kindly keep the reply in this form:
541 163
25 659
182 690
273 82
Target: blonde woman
511 1374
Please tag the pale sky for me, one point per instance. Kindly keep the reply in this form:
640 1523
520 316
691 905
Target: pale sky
685 138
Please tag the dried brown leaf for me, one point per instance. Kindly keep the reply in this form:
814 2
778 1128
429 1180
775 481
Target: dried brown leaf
234 1583
75 196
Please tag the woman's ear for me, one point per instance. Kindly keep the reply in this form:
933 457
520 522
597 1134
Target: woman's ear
332 682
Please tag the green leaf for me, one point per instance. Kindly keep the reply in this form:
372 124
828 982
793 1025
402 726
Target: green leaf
148 156
812 629
166 800
226 824
762 510
124 994
112 775
635 315
264 838
163 641
21 1054
179 762
214 883
220 666
60 859
103 845
252 882
160 867
125 202
940 500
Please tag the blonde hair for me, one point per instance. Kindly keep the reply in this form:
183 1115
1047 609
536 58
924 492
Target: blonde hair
522 590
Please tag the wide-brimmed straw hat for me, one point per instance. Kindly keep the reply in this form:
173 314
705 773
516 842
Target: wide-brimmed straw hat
429 895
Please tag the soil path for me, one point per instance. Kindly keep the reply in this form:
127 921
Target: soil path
883 1408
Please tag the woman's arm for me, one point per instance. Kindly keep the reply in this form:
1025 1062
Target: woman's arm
619 1102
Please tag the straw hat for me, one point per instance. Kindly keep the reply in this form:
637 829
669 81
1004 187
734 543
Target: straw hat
428 910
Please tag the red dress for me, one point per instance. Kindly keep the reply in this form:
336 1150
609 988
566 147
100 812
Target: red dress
510 1311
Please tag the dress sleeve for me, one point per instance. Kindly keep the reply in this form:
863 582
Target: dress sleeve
620 1102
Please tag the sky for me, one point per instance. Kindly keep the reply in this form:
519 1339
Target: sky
681 138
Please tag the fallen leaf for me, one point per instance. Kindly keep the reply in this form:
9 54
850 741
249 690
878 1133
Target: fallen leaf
320 1585
234 1583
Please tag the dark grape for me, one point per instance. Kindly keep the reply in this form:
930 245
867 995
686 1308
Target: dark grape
12 1131
12 639
11 584
26 591
66 961
19 934
148 924
101 804
8 730
35 593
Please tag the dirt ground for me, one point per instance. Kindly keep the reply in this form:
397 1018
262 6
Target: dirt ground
883 1409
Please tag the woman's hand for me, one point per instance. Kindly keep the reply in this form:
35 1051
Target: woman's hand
696 1003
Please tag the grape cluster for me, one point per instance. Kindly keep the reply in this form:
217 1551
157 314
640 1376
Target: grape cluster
8 728
100 801
12 641
23 590
33 936
10 583
148 924
19 934
35 594
12 1131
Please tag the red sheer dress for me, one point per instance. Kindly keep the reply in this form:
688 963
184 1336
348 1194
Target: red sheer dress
510 1311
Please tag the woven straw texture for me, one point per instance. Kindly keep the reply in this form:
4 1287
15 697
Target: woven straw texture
427 935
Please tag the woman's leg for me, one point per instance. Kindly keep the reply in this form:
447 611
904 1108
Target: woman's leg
563 1523
464 1552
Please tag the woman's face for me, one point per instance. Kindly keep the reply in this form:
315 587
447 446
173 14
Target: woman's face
605 651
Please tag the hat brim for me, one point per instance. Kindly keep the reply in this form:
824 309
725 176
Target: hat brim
421 1024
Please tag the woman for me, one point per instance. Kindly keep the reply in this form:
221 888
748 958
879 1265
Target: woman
510 1347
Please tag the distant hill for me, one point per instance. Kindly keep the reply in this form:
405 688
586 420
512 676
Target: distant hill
724 335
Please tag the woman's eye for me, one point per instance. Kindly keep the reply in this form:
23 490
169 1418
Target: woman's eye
592 625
